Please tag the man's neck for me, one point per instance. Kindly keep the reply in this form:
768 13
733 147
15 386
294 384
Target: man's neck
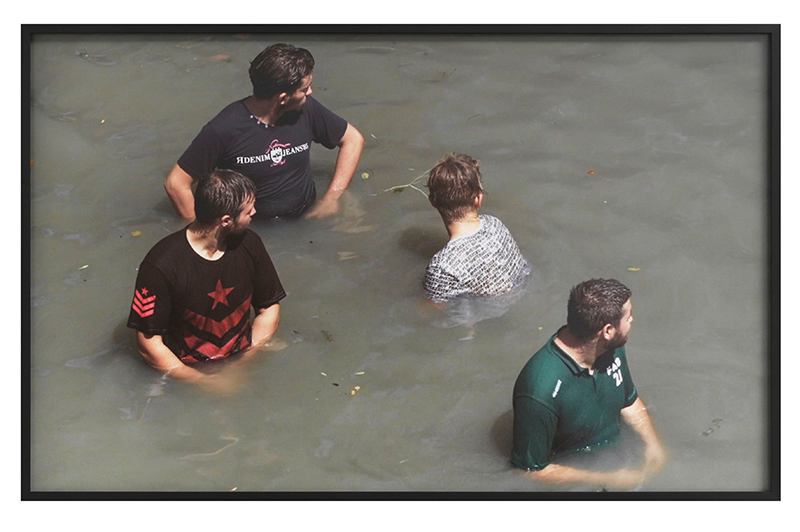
267 111
208 241
463 226
584 353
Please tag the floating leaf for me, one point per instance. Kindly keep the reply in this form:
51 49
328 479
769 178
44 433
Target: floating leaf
634 269
365 175
136 233
83 267
541 328
360 372
591 172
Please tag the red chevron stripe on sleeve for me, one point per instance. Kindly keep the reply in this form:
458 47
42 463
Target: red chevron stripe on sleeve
144 306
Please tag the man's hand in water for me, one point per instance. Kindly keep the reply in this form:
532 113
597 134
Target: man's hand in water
324 208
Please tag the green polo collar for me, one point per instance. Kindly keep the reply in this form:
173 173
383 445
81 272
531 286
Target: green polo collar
565 358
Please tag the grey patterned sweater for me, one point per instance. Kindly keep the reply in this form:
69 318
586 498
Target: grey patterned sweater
486 262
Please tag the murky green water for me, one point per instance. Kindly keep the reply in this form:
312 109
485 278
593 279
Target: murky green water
674 131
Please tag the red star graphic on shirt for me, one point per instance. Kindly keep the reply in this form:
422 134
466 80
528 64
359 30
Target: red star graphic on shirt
220 295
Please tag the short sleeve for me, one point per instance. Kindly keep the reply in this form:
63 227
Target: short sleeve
203 154
327 127
534 431
440 285
630 389
151 307
267 287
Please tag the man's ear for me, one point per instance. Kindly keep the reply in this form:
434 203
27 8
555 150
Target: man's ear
226 220
283 98
607 332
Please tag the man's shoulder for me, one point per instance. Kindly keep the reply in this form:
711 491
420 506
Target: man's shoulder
543 368
232 114
169 244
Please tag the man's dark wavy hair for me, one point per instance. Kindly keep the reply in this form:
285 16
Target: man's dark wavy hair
595 303
279 68
219 193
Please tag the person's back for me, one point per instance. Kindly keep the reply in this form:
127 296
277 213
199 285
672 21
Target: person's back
481 257
487 262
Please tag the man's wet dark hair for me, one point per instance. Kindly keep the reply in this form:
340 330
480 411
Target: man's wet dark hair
279 68
453 184
595 303
221 192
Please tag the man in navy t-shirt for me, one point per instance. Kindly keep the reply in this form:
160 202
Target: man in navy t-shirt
267 137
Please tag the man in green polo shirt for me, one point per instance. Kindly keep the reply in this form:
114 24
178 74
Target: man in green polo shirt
572 393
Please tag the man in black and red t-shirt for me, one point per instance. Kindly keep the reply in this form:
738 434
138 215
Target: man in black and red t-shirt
267 137
195 287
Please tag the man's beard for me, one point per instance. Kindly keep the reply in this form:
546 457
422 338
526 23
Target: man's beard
617 341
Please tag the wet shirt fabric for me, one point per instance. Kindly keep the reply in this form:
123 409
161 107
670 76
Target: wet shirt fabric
487 262
202 307
559 408
277 158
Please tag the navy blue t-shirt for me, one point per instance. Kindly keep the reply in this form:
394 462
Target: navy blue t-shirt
277 158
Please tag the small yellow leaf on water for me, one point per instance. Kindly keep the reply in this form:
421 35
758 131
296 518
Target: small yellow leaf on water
33 162
365 175
634 269
83 267
103 121
360 373
136 233
541 328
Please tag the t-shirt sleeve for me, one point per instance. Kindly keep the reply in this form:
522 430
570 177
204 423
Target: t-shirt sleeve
152 305
267 287
203 154
630 389
439 284
327 127
534 431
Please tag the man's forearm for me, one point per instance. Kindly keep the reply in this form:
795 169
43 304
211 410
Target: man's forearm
346 162
265 324
563 475
637 416
179 189
159 357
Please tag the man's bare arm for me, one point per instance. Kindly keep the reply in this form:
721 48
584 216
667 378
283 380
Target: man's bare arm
566 475
179 189
159 357
350 147
637 416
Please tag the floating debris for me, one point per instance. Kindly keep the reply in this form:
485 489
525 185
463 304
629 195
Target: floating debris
360 372
634 269
591 172
365 175
136 233
325 334
83 267
346 255
401 188
715 425
323 373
